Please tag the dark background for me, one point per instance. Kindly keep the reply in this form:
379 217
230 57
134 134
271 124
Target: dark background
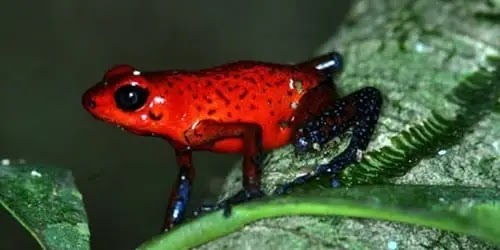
51 51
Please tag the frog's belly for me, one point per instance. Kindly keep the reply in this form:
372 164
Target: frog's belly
271 139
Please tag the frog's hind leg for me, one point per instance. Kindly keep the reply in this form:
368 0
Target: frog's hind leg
209 131
359 111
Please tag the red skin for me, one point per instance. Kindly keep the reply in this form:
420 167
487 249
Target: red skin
244 107
241 92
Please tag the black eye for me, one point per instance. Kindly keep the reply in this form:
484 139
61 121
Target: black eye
130 98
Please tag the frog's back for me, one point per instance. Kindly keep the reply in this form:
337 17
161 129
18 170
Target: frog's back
252 91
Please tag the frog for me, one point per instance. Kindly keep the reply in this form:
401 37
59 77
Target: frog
242 107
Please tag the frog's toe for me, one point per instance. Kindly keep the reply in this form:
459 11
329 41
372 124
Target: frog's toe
242 196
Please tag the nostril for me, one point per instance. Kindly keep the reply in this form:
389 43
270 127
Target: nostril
91 103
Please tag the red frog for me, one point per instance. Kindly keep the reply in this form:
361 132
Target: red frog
244 107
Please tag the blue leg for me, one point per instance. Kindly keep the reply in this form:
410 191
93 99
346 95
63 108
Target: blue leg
359 111
181 191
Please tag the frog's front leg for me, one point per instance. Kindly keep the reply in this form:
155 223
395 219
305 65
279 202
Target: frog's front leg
207 132
181 191
359 111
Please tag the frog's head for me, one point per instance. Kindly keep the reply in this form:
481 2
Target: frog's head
126 99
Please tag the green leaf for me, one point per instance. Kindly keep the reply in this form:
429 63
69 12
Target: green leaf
47 203
472 211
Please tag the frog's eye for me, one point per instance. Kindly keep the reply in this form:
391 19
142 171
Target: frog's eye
130 97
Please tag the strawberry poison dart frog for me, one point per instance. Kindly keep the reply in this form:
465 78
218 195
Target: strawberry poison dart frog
244 107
